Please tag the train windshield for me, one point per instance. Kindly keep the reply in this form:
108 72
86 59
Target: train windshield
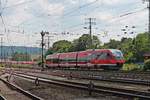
118 54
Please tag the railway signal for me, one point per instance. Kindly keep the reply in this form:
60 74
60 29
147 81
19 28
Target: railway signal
42 42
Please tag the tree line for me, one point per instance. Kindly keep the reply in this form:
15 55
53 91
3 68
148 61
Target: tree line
132 48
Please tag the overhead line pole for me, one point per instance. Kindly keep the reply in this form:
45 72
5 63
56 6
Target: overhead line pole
90 31
48 43
90 22
1 50
149 17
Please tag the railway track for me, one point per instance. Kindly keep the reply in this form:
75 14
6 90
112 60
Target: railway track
96 78
98 89
96 72
20 90
86 70
2 98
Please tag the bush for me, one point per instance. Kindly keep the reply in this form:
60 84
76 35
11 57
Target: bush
147 65
39 63
130 67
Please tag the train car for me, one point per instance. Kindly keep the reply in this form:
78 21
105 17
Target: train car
107 59
99 58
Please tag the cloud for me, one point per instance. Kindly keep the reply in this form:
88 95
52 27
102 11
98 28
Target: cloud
51 8
73 1
18 16
48 15
104 16
114 27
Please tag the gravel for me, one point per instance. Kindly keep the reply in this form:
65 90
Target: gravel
54 92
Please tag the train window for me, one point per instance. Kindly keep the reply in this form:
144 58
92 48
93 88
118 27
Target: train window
103 55
118 55
95 55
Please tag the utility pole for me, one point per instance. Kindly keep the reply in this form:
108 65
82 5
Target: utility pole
48 42
1 49
90 22
148 15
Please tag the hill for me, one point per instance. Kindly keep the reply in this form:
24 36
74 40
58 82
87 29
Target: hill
7 51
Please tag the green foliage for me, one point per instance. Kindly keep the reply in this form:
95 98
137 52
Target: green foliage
126 48
131 67
49 51
113 44
142 45
61 46
147 65
80 44
83 43
133 49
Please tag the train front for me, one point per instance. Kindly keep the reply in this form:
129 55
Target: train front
118 57
107 59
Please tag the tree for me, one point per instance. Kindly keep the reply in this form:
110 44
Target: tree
83 43
74 46
142 45
113 44
61 46
49 51
126 46
133 49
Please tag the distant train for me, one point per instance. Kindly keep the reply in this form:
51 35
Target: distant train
98 58
19 62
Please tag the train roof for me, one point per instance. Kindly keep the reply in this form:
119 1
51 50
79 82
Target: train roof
86 51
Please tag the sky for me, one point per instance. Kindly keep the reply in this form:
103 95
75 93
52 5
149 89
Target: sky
22 21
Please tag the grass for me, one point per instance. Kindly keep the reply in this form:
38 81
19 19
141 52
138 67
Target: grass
21 66
131 67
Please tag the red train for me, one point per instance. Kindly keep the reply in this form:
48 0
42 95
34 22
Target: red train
99 58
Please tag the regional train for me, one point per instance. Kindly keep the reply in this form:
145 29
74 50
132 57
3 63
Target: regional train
98 58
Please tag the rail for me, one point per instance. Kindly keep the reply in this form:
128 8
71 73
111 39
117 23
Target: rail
97 89
99 78
2 98
32 96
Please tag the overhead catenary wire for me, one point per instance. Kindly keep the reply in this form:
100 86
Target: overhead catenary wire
122 16
3 22
80 7
2 7
72 27
83 6
18 4
66 14
115 17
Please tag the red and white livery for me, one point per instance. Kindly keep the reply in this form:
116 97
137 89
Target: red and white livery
99 58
